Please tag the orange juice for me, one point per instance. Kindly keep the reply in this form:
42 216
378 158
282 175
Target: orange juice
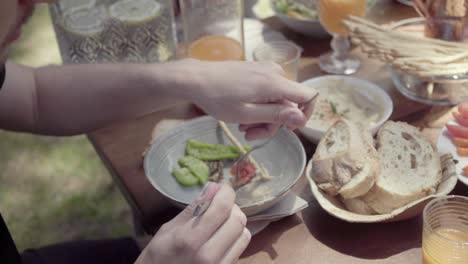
445 249
333 12
216 48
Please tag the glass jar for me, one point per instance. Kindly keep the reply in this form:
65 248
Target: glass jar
213 29
108 31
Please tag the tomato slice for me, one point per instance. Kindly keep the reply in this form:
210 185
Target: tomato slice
462 152
465 171
463 109
247 172
458 131
460 142
460 119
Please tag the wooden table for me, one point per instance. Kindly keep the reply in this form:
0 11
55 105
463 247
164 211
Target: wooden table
311 236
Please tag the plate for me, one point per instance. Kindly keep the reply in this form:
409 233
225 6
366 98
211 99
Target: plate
284 157
445 145
405 2
335 208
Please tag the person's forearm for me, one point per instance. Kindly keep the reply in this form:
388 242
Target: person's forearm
74 99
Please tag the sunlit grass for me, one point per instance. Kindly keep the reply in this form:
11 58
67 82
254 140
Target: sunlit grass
54 189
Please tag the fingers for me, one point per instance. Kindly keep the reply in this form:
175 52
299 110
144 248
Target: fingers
238 248
226 236
261 132
207 194
296 92
291 117
198 230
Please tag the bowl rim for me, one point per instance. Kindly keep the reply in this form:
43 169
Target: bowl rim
161 137
366 84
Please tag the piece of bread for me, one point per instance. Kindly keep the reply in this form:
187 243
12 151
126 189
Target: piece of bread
410 168
345 161
357 205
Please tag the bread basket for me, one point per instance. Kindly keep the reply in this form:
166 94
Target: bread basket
333 205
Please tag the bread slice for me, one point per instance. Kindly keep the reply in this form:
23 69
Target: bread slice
410 166
345 161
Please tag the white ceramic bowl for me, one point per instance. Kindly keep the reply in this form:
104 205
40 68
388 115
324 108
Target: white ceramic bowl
363 88
284 157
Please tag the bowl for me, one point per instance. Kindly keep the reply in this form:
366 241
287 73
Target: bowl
437 90
310 28
335 208
284 157
357 89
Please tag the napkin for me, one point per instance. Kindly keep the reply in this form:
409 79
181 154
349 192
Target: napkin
289 205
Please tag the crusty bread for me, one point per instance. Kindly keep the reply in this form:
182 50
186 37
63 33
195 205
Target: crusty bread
410 166
357 205
345 161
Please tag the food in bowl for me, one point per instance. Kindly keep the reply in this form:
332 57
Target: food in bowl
203 162
401 168
295 9
347 98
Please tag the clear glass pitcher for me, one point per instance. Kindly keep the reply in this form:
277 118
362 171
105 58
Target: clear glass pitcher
213 29
108 31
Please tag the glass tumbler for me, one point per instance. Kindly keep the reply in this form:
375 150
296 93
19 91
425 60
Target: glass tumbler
108 31
213 29
285 53
445 231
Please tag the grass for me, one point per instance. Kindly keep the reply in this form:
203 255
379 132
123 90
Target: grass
54 189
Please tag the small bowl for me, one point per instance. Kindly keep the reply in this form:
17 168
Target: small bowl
284 157
334 207
310 28
367 90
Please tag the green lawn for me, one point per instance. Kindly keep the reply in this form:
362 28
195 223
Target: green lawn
54 189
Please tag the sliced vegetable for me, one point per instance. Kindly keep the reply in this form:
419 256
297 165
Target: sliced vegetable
463 109
196 167
210 152
462 152
185 177
247 172
465 171
460 119
460 142
458 131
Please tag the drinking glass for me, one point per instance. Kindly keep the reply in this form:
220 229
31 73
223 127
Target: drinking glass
331 15
285 53
95 31
445 231
213 29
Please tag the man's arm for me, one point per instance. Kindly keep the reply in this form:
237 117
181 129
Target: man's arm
74 99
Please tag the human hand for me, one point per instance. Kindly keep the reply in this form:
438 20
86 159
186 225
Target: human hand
217 236
254 94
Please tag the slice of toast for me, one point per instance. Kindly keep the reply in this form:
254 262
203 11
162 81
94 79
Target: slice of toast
410 166
345 161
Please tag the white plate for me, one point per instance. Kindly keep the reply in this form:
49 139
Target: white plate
445 145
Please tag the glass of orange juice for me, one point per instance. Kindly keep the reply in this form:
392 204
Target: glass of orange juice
445 231
331 14
213 29
285 53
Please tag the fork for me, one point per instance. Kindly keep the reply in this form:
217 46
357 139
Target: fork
246 154
306 107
